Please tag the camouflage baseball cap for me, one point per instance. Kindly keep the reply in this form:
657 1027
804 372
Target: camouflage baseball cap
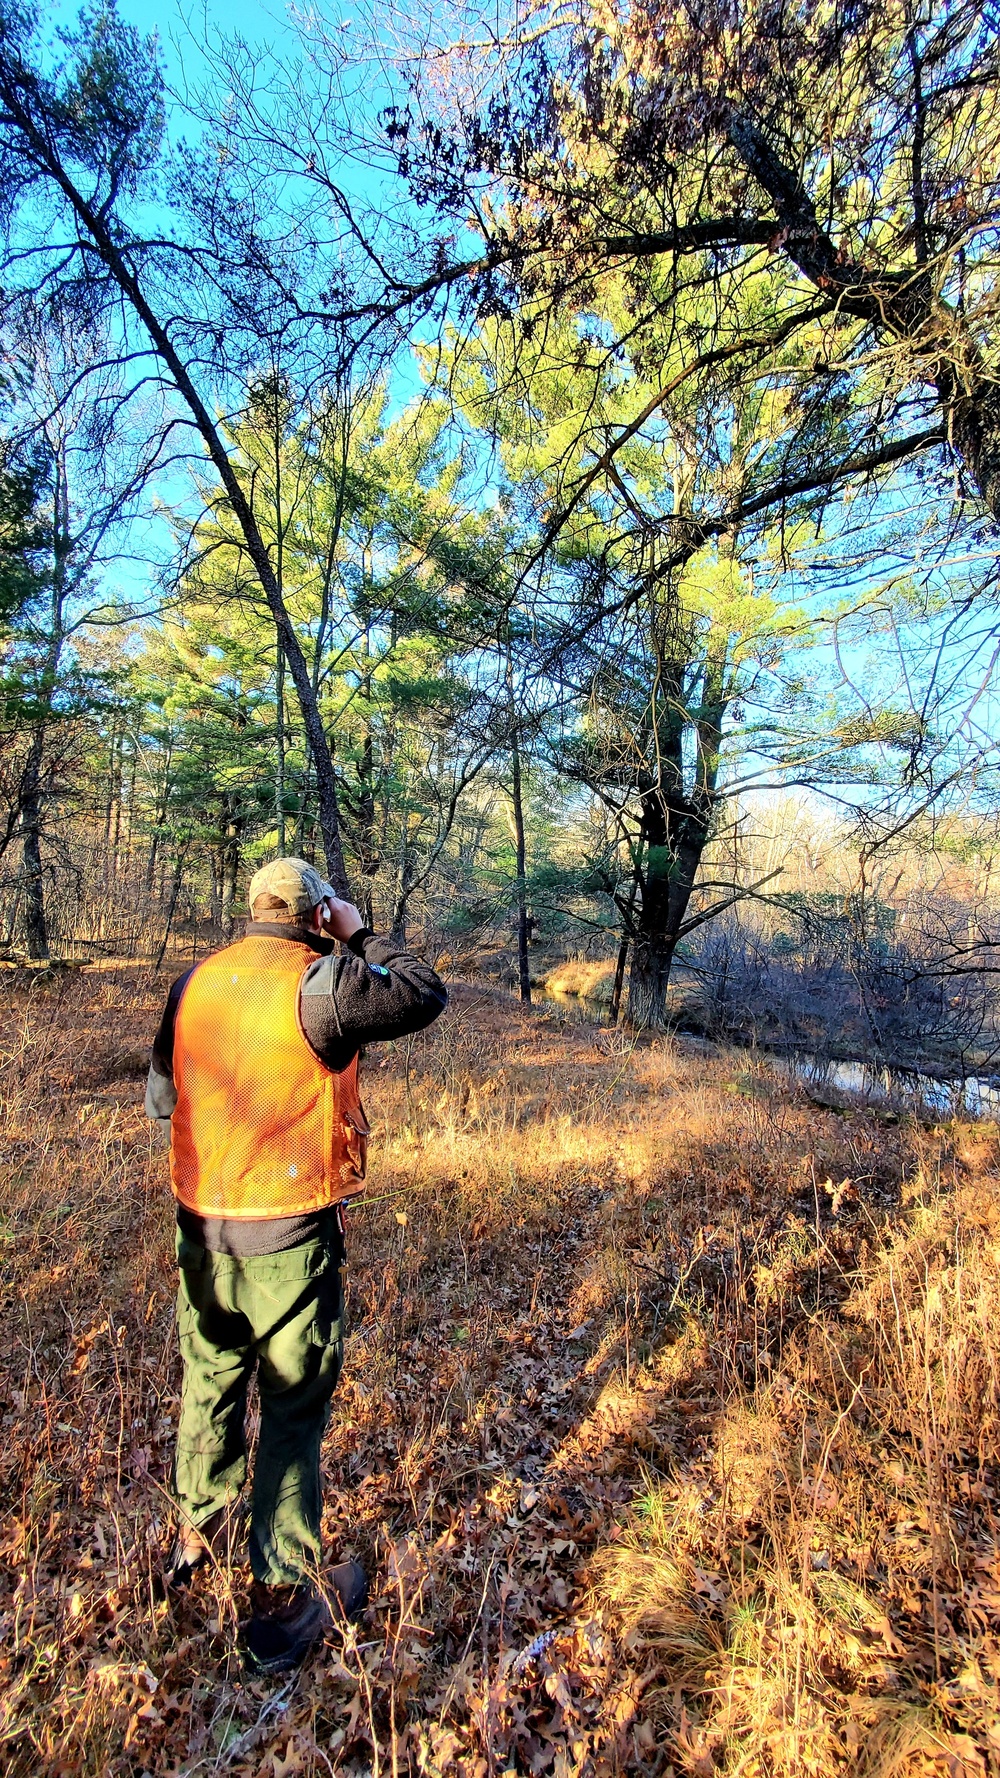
292 881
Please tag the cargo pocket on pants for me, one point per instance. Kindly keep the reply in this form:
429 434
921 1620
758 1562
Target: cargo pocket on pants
326 1335
328 1321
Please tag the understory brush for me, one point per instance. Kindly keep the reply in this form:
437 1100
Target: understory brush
668 1426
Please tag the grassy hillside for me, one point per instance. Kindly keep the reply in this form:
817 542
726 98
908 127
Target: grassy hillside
668 1427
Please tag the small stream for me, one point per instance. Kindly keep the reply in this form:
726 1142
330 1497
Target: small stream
977 1096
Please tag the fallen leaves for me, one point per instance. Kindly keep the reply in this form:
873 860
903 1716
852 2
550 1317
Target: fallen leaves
542 1374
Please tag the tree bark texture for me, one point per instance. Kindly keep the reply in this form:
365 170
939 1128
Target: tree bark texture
175 889
520 867
279 776
35 924
32 799
675 821
672 839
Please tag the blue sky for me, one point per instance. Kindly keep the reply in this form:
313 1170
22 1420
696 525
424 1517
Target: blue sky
264 24
181 28
267 23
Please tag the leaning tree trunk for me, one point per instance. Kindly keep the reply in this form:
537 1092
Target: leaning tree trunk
99 227
175 889
279 779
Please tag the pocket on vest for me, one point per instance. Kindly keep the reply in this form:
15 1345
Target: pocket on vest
356 1133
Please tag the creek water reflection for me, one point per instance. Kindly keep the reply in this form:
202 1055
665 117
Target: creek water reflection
583 1009
977 1096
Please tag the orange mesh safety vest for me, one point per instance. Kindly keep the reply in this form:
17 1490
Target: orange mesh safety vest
261 1127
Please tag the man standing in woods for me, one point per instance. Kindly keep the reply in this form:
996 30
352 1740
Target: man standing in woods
254 1076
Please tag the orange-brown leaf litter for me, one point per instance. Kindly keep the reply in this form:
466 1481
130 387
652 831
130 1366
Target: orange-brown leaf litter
668 1427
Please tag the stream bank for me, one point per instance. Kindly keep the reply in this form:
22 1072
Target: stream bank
834 1081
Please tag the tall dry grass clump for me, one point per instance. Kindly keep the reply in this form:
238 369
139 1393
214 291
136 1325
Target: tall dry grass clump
667 1430
820 1592
584 978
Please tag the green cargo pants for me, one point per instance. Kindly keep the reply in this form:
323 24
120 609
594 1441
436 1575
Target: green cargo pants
282 1312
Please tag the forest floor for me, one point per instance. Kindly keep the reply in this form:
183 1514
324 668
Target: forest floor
668 1428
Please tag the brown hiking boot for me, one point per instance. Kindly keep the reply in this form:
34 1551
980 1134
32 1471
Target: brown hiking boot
288 1620
193 1547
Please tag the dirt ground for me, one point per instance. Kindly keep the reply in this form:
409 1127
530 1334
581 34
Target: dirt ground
668 1427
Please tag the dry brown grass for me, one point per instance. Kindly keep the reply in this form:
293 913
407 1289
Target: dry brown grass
582 977
668 1426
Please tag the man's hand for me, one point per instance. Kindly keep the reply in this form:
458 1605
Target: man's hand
341 918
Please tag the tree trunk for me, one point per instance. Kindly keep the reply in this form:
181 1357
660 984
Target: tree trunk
12 914
404 883
215 871
35 926
520 849
673 839
616 992
365 848
133 763
365 833
300 819
116 814
521 886
109 804
159 818
649 979
279 781
175 889
230 864
628 916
